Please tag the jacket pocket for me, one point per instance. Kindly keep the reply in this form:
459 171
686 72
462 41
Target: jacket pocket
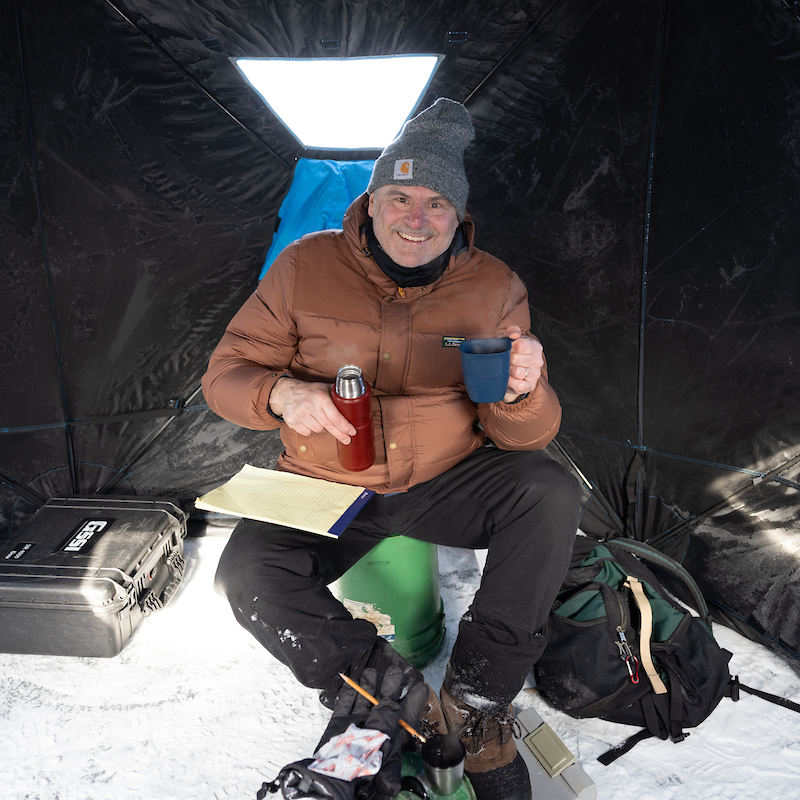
318 448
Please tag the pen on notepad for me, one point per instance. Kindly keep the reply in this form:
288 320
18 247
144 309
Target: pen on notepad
364 693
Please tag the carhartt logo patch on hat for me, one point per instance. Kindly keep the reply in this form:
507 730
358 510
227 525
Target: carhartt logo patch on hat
404 169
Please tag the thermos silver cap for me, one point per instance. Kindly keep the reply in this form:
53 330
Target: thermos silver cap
349 382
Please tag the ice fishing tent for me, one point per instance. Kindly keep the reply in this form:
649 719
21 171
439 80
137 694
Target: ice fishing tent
637 163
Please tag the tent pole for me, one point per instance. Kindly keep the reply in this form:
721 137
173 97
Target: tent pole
693 522
638 464
25 492
123 472
199 85
514 49
596 493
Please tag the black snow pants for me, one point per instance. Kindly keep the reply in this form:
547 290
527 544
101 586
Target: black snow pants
522 506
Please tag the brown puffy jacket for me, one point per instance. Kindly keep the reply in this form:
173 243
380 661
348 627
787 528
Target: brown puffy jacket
325 303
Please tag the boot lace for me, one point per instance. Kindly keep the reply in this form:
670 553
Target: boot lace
483 726
429 729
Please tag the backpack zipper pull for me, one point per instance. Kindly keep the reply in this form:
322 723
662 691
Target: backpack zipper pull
624 648
626 654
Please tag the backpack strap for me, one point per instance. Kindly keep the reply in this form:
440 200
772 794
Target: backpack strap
615 752
663 714
664 719
656 557
676 732
645 633
656 715
733 692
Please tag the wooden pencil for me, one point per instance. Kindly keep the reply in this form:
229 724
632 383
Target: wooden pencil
403 724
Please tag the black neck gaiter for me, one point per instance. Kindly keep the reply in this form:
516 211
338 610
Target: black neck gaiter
406 276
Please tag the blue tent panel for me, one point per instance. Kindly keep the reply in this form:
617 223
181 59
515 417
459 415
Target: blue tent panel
320 193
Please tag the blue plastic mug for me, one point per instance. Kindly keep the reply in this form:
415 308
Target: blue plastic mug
485 364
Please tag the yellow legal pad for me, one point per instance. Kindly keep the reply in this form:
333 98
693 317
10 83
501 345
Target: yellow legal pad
310 504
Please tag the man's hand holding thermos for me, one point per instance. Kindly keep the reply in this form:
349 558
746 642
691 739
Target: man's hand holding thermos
344 410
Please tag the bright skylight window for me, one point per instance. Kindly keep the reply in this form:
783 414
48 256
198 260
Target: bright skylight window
341 103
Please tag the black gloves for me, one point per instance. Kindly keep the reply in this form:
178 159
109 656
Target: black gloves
297 782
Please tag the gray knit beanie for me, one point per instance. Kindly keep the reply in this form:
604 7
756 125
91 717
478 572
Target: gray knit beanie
429 152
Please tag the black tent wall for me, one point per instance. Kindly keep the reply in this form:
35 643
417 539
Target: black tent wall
637 164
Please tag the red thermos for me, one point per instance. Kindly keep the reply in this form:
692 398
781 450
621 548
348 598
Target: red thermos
353 397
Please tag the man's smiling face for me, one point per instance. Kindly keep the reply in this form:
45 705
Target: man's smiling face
413 224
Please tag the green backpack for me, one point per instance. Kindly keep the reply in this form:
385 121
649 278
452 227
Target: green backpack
621 649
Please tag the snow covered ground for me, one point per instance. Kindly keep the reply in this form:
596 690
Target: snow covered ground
193 708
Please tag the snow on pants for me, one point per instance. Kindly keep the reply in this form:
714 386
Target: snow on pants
522 506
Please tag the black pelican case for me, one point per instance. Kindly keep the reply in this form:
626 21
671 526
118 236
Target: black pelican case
82 573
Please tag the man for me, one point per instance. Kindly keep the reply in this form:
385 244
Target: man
394 292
